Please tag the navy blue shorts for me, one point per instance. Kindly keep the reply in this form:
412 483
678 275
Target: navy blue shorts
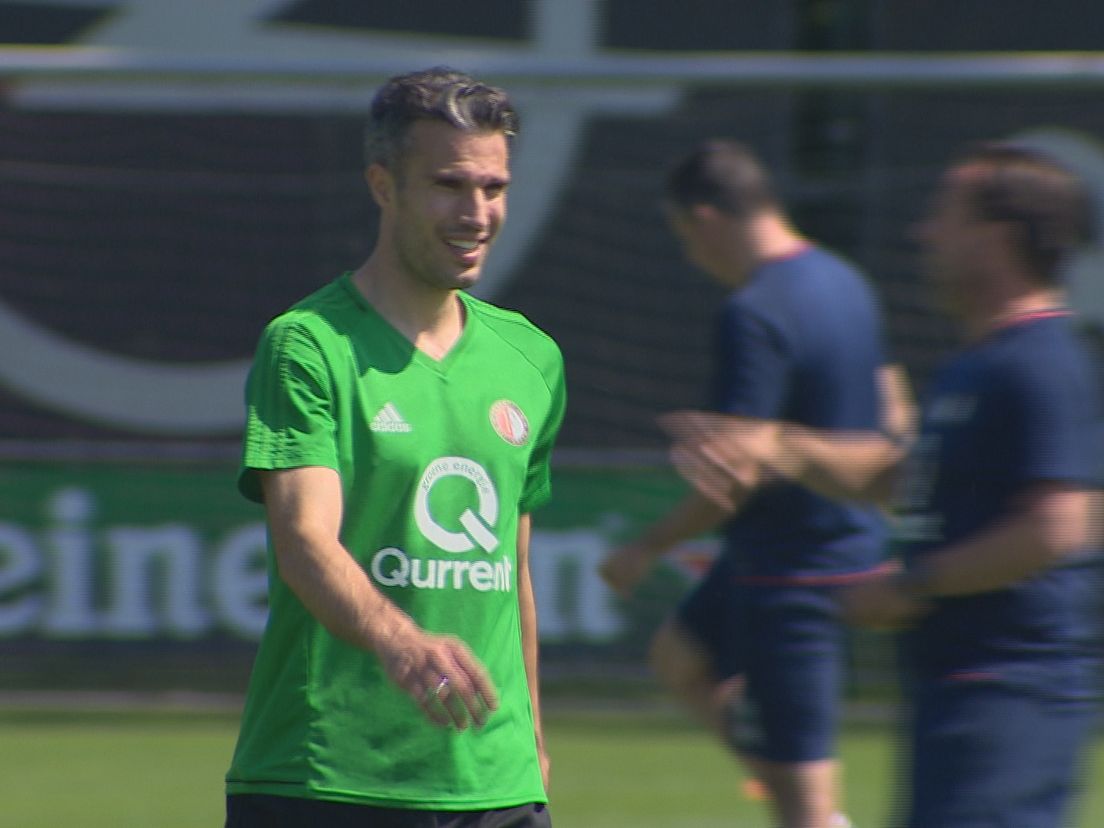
987 755
789 645
268 811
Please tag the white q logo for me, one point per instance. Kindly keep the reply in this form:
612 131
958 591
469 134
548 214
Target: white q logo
477 526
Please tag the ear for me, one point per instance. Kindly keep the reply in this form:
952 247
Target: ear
705 213
1000 236
711 221
381 182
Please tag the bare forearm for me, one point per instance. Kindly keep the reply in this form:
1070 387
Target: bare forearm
692 517
855 466
527 608
898 404
438 672
304 516
725 456
338 593
1047 532
628 565
530 646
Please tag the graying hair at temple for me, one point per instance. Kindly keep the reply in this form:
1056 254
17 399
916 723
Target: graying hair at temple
439 94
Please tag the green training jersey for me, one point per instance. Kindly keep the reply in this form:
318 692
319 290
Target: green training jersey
437 460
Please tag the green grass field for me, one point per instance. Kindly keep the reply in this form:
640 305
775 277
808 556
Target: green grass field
141 769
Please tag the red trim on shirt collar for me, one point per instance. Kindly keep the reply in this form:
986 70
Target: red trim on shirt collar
1031 316
793 254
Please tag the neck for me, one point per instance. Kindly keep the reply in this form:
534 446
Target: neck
772 237
431 319
752 242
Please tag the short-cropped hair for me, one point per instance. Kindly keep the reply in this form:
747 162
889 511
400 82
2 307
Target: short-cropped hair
436 94
1032 191
724 174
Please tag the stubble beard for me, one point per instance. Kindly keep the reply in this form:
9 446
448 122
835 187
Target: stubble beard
420 268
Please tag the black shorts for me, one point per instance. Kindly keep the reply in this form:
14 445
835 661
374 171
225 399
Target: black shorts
789 644
269 811
985 753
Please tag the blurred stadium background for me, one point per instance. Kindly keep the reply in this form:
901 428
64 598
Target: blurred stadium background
173 174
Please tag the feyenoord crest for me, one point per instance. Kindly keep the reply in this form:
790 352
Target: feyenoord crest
510 423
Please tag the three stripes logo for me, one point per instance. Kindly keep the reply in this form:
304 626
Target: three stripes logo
390 421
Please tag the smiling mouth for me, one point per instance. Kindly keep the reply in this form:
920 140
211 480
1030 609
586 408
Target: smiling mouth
465 249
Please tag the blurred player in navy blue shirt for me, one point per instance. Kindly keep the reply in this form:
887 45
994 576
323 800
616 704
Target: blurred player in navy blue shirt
757 648
998 523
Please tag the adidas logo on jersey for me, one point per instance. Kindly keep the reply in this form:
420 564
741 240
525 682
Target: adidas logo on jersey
389 420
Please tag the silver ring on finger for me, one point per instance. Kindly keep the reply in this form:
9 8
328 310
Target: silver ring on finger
441 687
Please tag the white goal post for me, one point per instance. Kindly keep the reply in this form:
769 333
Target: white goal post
793 69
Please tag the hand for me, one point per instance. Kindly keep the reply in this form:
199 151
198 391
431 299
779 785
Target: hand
625 567
881 604
723 456
442 676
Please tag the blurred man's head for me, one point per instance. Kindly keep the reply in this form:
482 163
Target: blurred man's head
1003 210
725 175
714 197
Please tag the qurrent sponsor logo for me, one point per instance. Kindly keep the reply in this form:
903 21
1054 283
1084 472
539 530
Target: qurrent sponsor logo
393 567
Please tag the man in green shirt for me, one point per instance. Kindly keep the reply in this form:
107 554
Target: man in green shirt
399 434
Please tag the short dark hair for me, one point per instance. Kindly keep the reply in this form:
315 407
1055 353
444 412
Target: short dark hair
1047 202
439 94
724 174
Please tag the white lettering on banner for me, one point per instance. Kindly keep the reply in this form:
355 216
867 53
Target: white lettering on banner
239 585
76 579
154 578
21 566
71 556
135 552
573 602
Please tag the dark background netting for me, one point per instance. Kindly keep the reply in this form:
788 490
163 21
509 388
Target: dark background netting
175 236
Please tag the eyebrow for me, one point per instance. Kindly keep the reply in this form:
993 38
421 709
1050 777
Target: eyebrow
456 176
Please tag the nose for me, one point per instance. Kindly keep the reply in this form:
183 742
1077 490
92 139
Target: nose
475 210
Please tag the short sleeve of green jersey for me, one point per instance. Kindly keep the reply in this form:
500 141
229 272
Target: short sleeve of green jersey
538 483
289 406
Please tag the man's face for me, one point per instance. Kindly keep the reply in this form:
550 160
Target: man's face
709 243
952 238
685 228
448 204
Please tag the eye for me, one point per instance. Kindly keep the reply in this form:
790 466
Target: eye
495 190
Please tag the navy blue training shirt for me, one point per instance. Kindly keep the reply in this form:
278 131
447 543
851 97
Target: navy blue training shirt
1019 408
801 341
